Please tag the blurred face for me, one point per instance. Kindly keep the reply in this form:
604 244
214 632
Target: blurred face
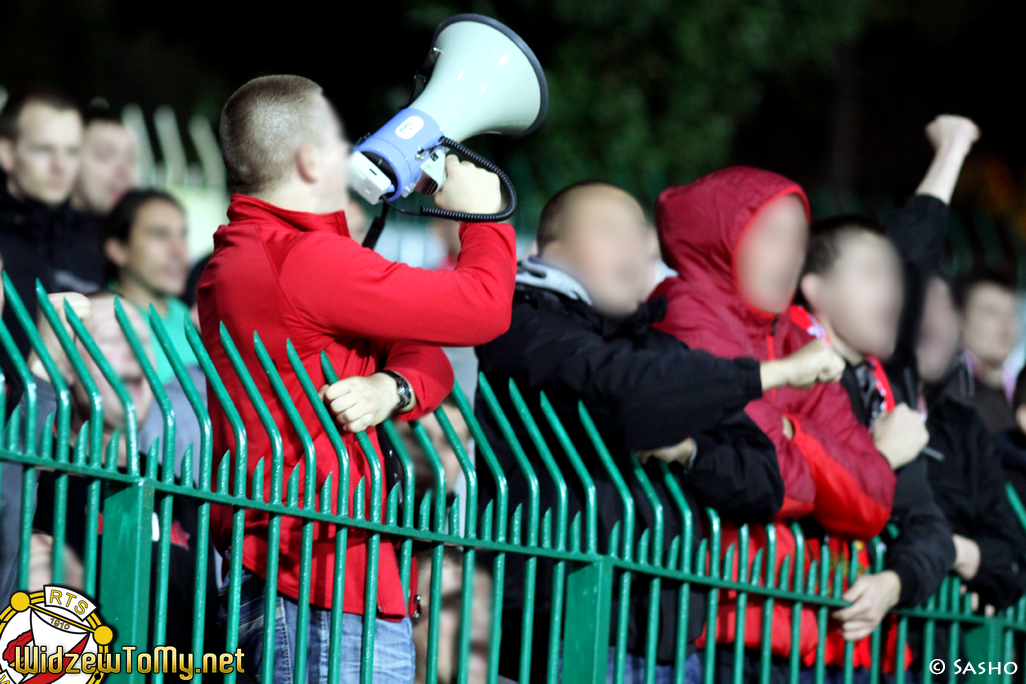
356 220
603 241
770 256
157 253
332 159
111 340
860 297
650 272
42 163
991 323
940 334
108 167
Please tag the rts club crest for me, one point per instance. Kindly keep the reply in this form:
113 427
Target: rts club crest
52 635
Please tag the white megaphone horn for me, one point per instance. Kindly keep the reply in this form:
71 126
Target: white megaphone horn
480 77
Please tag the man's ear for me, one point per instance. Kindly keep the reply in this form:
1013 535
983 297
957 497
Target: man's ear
308 163
811 286
117 251
7 155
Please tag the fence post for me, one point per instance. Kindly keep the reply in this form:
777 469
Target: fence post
125 573
983 645
589 595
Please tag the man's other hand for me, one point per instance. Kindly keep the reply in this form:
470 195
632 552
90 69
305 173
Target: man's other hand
967 557
871 597
359 402
900 435
948 131
469 189
83 308
814 363
678 453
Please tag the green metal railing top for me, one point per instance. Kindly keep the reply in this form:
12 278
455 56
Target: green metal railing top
589 575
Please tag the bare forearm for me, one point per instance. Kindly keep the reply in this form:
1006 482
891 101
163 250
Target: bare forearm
943 173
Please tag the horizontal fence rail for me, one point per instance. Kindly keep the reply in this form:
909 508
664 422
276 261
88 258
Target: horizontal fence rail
592 581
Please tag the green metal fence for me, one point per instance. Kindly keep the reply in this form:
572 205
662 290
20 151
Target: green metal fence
589 586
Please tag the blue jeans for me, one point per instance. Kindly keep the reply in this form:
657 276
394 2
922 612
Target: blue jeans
394 656
634 669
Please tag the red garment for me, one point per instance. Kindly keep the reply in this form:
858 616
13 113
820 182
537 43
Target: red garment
831 468
300 277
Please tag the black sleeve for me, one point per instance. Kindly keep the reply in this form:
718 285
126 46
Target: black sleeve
1001 578
917 229
736 472
923 552
654 397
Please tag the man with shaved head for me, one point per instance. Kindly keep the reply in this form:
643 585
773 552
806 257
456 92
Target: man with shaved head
578 333
286 267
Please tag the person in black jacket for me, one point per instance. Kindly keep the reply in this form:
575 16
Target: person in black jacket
578 334
964 466
866 287
1011 444
41 236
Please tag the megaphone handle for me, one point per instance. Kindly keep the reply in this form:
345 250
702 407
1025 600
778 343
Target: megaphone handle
485 163
376 226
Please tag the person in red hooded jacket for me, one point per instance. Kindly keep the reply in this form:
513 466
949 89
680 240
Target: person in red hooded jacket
737 239
286 267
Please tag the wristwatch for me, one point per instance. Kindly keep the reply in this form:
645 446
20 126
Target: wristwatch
403 389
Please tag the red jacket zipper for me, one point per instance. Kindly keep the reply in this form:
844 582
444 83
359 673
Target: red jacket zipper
770 347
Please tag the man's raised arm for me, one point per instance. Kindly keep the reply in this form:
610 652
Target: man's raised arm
342 288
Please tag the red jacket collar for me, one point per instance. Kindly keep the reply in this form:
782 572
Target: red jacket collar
246 208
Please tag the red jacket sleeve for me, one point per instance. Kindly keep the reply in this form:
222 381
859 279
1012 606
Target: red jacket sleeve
428 371
343 289
854 482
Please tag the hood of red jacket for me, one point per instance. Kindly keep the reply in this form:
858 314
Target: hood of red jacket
701 225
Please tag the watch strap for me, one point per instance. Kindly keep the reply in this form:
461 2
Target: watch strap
403 389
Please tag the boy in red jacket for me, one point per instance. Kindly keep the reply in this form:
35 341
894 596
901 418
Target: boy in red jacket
286 267
737 237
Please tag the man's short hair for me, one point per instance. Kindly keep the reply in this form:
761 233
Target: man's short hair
1002 277
825 238
49 96
262 125
100 113
548 222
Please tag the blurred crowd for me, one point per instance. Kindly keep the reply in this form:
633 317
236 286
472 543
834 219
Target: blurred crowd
826 370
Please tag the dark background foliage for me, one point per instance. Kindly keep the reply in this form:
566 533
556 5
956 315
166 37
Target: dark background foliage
647 93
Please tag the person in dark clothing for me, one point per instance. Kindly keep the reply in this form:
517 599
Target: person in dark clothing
989 302
578 334
109 164
965 468
41 236
98 315
1011 444
866 287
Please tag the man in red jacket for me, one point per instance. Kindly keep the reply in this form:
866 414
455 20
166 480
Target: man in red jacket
737 238
286 267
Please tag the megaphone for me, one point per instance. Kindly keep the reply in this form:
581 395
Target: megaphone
480 77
